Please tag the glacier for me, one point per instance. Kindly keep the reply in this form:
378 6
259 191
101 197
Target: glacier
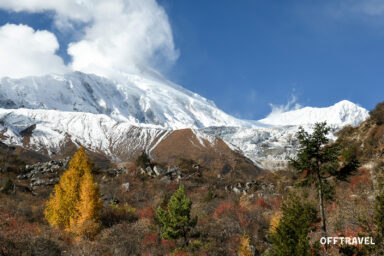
271 145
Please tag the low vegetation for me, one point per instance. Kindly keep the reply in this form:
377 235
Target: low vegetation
377 114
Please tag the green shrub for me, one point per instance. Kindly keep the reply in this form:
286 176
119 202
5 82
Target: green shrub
8 187
291 234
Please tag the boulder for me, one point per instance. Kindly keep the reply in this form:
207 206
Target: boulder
125 186
149 171
237 191
158 170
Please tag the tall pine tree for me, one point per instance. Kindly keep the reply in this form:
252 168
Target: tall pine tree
318 160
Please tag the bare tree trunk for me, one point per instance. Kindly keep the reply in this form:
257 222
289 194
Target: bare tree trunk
321 203
186 242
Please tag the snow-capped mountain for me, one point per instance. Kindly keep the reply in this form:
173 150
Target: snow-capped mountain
137 99
120 118
270 146
342 113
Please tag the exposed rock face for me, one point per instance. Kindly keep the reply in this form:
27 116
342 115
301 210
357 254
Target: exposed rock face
259 187
172 173
43 174
208 151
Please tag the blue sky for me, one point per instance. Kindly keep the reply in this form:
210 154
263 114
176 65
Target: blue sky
248 54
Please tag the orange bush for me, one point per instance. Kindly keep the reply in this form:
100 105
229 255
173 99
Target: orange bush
150 240
224 207
167 243
238 212
361 180
276 203
147 212
262 203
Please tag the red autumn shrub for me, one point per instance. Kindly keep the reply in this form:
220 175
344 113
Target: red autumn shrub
276 203
262 203
352 231
237 212
147 212
180 254
16 234
13 227
150 240
224 207
167 243
361 180
243 218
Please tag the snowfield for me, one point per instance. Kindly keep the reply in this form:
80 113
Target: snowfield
135 99
341 114
137 112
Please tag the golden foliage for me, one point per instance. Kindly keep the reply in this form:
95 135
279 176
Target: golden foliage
86 221
244 249
75 203
247 202
274 222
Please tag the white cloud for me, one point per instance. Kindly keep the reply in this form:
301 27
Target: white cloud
73 9
366 7
371 11
125 36
26 52
120 35
290 105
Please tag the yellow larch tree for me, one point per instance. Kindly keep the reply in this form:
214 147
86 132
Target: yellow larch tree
86 221
64 202
244 249
275 220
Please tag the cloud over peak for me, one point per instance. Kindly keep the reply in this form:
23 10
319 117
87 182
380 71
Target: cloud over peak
289 106
124 36
25 52
120 36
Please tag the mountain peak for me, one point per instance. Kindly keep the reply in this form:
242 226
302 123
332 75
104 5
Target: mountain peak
136 99
346 103
342 113
150 100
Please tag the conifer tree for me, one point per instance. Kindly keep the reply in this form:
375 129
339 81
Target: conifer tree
176 221
86 221
290 237
318 160
63 202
